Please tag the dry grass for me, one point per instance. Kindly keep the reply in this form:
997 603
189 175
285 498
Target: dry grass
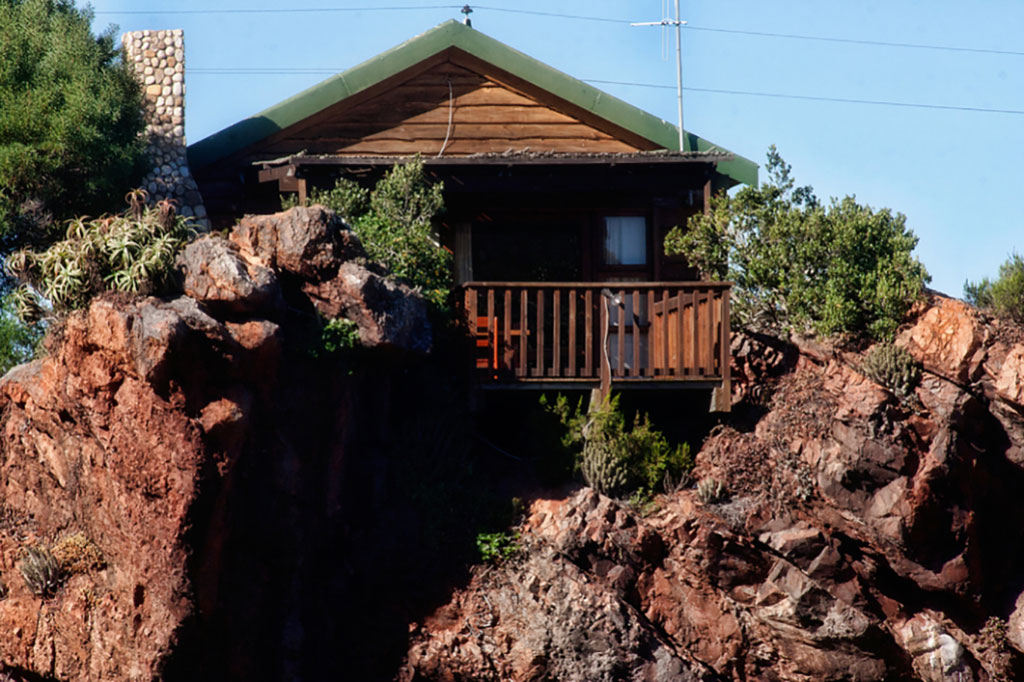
78 554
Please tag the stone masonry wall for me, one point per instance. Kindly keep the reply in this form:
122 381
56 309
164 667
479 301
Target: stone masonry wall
159 61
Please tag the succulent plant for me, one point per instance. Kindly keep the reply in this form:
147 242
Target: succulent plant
42 572
602 468
710 490
131 252
893 368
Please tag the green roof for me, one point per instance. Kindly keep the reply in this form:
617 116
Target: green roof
451 34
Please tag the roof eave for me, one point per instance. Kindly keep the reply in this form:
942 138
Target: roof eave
448 35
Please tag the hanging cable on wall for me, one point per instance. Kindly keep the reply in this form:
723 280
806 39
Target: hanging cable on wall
451 113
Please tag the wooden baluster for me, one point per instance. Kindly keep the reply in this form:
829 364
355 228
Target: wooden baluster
666 334
588 333
635 334
683 340
572 332
538 370
524 333
492 331
708 331
556 333
651 331
507 346
620 337
698 342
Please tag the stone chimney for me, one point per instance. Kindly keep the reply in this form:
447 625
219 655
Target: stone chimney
158 58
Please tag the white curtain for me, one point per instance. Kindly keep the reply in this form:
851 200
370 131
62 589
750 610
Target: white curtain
625 240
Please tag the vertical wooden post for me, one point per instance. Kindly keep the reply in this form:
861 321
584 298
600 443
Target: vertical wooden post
556 333
651 331
470 303
572 332
696 341
538 370
463 259
492 329
635 333
588 334
507 345
665 333
620 331
722 395
524 333
302 191
606 367
708 331
683 340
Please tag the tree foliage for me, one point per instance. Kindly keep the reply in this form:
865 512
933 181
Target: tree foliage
70 119
799 265
18 340
395 222
1005 295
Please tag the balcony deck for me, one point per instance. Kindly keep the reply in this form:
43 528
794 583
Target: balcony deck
602 335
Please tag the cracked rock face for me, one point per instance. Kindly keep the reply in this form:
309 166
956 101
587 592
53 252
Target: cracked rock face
220 472
189 439
864 537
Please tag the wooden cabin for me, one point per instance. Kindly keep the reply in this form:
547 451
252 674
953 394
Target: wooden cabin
557 195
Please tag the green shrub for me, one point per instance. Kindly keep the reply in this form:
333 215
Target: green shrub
132 252
614 459
892 367
498 547
41 571
339 335
800 266
1005 295
395 222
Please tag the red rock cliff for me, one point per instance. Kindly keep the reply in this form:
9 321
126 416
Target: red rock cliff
200 449
220 501
864 537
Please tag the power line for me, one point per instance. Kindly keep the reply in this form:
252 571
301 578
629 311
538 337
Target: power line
857 41
283 71
581 17
819 98
286 71
280 10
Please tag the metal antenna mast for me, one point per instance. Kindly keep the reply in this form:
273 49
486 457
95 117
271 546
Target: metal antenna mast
679 63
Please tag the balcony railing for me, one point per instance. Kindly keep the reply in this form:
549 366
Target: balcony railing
600 332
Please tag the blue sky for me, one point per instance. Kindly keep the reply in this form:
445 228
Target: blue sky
953 173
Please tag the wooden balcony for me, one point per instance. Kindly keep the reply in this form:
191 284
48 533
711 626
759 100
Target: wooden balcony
601 334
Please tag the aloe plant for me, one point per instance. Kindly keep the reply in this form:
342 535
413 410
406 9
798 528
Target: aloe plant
132 252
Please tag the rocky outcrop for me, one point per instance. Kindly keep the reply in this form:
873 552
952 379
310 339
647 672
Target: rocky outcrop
864 537
222 501
196 447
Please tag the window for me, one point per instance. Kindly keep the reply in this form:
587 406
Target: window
625 240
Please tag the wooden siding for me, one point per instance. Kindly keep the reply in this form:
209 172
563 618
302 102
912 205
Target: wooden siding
413 117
